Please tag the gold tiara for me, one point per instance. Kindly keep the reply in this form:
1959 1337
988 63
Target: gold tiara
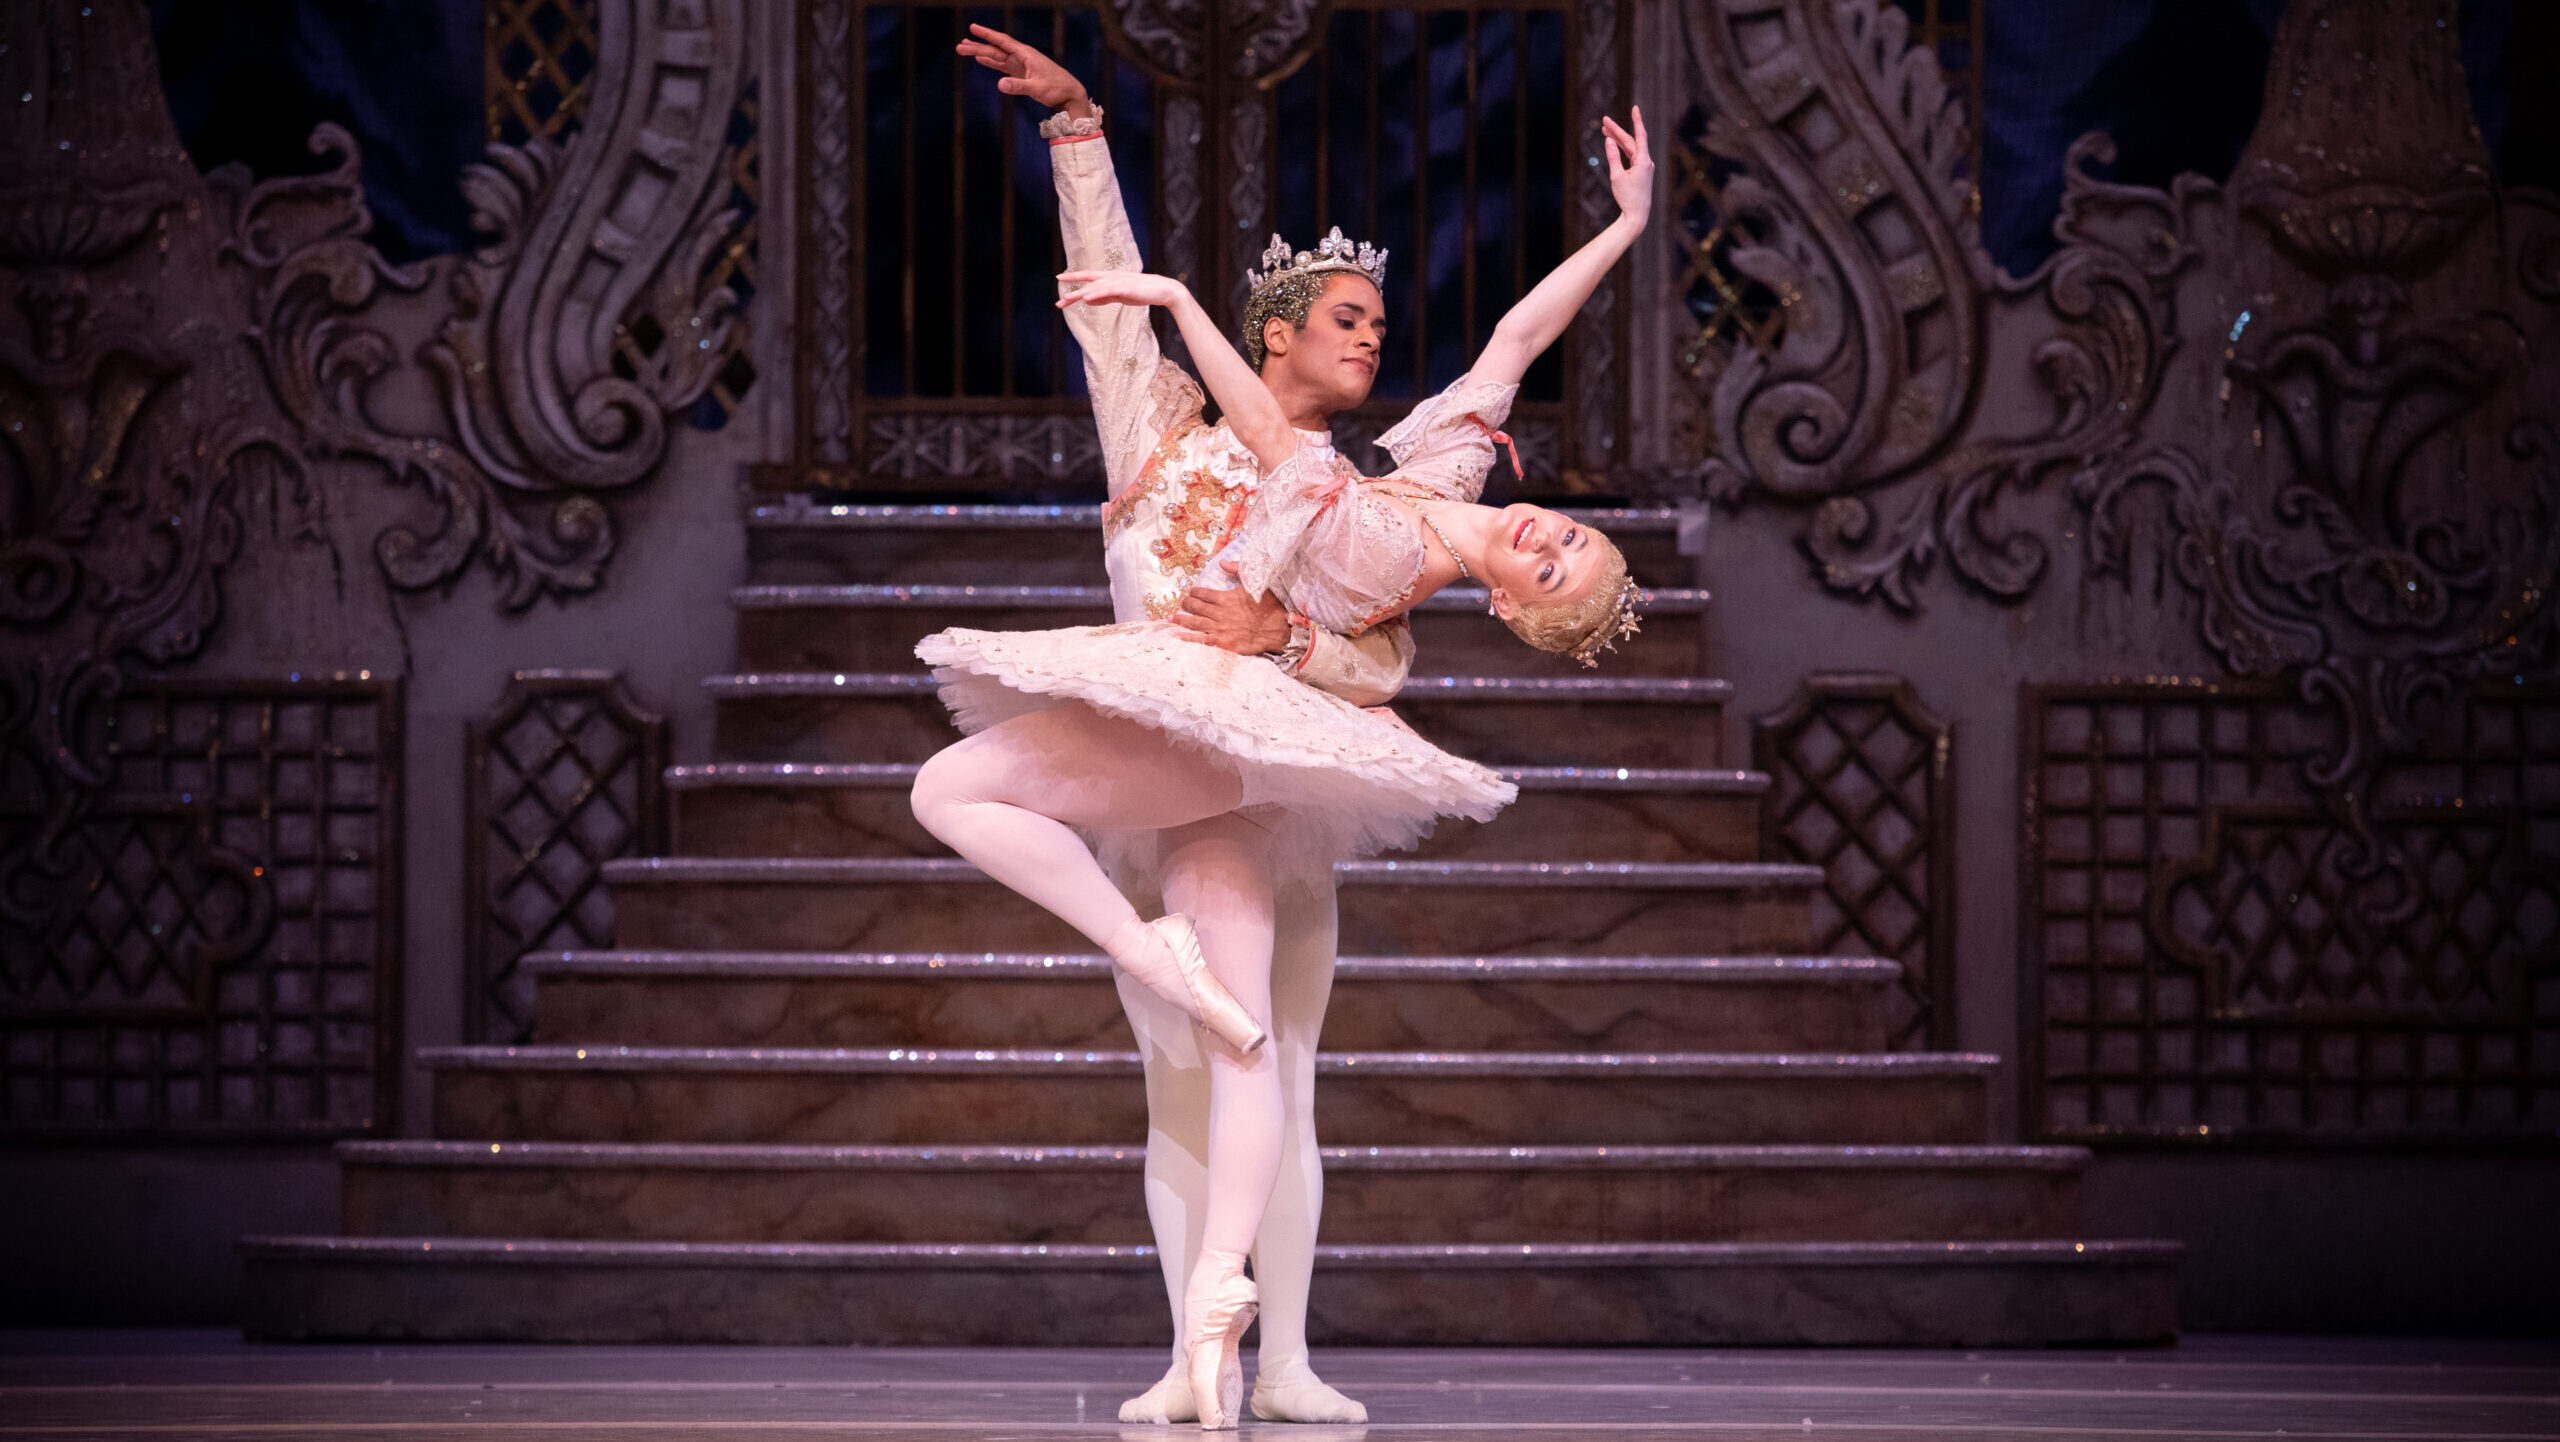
1620 624
1334 252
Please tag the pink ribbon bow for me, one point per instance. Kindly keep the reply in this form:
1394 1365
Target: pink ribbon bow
1502 439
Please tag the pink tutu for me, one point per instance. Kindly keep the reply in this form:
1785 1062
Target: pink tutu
1335 781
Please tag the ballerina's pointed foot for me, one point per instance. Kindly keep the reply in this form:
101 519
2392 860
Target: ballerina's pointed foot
1296 1394
1164 955
1169 1400
1221 1304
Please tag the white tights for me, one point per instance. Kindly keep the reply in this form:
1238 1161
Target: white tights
1010 800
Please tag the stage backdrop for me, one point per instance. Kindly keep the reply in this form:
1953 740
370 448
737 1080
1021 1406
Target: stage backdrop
2118 435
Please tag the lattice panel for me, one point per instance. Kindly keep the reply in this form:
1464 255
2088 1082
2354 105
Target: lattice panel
2211 953
1860 786
210 945
542 57
1726 308
565 774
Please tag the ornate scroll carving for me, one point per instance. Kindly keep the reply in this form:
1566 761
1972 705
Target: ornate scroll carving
1267 34
1168 33
1852 147
2390 534
130 438
1855 206
615 227
1861 786
564 774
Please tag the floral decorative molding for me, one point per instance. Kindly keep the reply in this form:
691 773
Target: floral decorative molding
2386 536
1852 205
188 363
615 227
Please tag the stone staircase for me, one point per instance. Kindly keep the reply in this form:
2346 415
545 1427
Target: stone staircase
1580 1086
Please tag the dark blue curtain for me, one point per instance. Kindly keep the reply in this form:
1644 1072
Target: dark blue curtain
2176 82
248 79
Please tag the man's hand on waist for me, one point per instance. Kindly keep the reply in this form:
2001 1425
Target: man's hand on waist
1233 620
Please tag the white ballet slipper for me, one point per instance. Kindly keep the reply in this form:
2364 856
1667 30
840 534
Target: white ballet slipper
1296 1394
1169 1400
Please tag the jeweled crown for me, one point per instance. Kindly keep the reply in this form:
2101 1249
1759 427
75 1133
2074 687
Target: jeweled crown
1623 621
1335 252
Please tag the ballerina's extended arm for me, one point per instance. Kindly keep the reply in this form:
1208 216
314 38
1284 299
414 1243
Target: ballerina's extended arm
1540 316
1250 411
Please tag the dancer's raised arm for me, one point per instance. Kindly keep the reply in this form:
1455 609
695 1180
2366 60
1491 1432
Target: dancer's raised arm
1540 316
1137 395
1256 418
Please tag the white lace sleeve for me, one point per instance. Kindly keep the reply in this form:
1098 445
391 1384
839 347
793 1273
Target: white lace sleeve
1441 446
1292 496
1138 395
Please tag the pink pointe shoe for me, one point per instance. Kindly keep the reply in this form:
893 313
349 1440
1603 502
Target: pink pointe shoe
1220 1304
1167 961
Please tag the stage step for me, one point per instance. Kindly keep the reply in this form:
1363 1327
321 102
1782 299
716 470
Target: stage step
1407 1195
1469 908
1578 1086
876 627
1589 721
797 542
1379 1003
786 808
1934 1294
903 1096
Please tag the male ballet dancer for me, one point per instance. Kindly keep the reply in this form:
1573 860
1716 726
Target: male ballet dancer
1178 488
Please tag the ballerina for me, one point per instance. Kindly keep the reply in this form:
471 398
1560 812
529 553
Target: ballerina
1129 727
1178 482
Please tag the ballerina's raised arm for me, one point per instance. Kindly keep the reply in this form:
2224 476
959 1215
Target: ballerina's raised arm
1250 411
1533 323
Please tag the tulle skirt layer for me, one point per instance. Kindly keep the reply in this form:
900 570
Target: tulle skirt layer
1333 781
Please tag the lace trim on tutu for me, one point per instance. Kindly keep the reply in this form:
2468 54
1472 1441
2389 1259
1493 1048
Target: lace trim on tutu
1342 783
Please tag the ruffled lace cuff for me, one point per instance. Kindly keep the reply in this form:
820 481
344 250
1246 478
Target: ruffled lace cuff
1290 495
1442 419
1063 126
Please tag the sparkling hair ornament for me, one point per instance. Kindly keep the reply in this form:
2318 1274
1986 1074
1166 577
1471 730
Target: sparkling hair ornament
1583 629
1290 281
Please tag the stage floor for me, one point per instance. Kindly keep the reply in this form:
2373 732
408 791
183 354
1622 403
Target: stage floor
119 1385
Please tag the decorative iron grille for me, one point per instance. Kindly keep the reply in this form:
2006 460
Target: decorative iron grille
2214 948
542 56
1860 786
210 945
1460 134
564 774
541 61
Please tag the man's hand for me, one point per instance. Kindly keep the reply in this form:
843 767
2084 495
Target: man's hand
1231 620
1026 71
